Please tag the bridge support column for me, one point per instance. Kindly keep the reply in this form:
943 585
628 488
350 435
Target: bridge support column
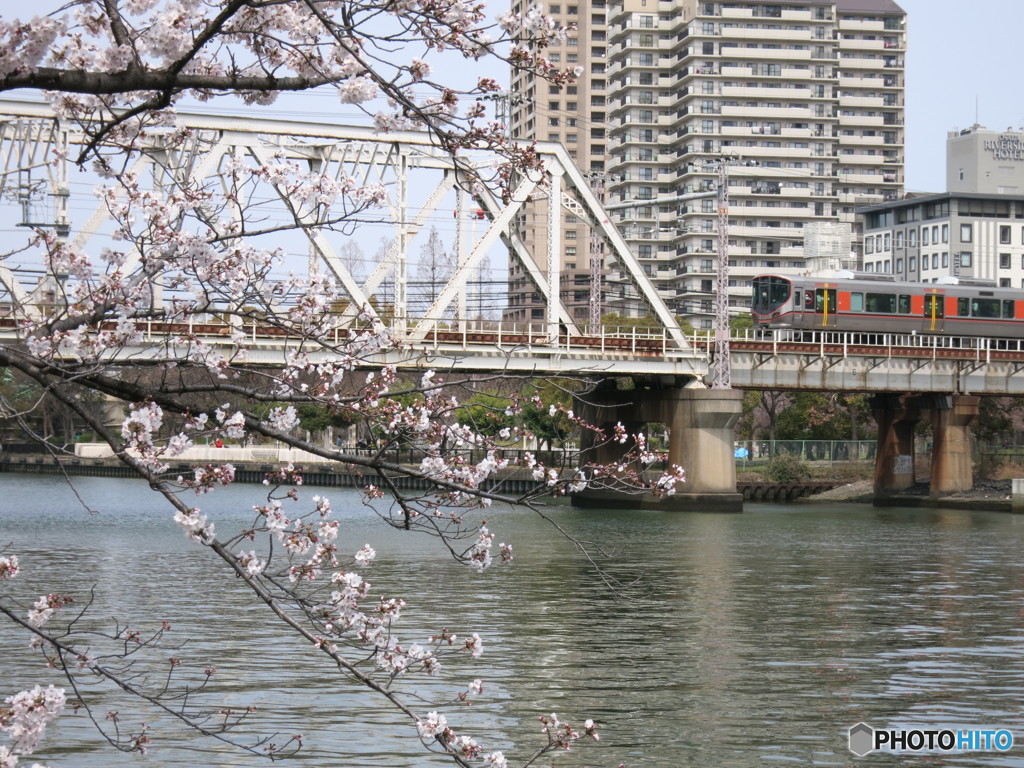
894 459
700 424
952 469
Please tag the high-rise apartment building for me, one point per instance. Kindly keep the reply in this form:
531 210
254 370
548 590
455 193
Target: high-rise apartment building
575 115
804 98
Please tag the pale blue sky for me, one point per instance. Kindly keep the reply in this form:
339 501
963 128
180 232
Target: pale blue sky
960 53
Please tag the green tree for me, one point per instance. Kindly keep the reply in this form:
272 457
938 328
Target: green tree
551 427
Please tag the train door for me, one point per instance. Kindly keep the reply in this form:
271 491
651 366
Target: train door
934 311
824 298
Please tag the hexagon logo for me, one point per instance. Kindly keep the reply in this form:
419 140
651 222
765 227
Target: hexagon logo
862 739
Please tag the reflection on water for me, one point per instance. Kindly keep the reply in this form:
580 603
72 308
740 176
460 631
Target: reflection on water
737 640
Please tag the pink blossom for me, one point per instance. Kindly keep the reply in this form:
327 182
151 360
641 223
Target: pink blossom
9 567
28 713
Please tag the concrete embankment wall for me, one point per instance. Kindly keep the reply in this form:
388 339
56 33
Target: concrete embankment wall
317 472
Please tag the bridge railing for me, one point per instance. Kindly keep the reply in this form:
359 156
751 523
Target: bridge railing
855 342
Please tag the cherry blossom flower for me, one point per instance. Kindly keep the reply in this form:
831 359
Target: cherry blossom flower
28 714
9 567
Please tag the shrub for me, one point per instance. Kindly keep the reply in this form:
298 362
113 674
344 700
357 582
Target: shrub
785 468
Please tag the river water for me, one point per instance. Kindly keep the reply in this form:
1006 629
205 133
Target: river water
736 640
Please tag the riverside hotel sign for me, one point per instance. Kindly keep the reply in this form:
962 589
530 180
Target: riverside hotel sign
1009 146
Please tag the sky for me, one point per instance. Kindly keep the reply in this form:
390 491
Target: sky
963 66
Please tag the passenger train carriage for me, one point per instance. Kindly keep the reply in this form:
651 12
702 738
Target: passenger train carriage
878 304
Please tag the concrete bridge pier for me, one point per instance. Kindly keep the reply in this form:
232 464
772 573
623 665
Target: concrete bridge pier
700 425
896 417
951 465
952 468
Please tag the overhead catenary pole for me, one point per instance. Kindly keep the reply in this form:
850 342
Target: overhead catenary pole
596 260
723 368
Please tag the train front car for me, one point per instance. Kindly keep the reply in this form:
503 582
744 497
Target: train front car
772 305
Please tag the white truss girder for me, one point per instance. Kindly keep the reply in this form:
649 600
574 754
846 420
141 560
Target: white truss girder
415 174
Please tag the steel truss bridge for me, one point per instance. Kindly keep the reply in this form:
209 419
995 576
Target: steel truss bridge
420 182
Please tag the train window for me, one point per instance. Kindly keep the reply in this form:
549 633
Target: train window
904 304
933 306
856 301
770 294
1007 308
985 308
963 307
881 302
808 299
820 296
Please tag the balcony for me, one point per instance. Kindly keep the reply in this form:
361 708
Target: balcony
764 92
862 120
861 25
863 102
803 114
859 44
744 33
861 140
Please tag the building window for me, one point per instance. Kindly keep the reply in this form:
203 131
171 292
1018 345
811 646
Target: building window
924 236
913 263
965 257
966 234
1004 234
945 233
912 238
1004 258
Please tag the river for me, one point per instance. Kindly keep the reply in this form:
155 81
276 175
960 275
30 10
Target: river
736 640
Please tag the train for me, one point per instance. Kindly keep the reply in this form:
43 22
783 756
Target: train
874 303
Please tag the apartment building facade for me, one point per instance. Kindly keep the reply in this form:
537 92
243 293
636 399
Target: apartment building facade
804 99
576 116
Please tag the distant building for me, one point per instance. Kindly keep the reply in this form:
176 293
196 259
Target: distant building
808 93
984 161
959 234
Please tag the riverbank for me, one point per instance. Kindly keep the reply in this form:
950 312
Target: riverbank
986 495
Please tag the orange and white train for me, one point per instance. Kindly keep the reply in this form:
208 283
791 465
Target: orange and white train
876 304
